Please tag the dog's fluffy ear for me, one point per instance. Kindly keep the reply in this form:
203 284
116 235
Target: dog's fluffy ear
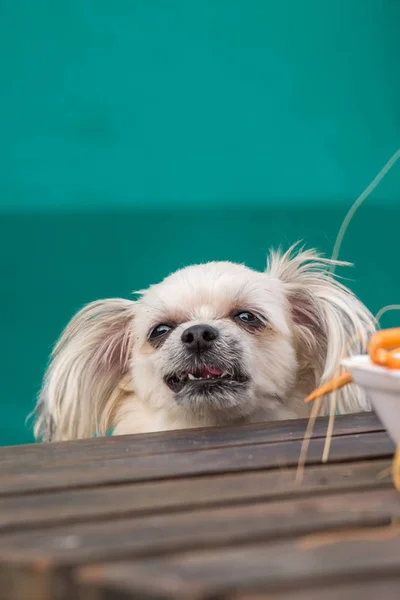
329 321
87 364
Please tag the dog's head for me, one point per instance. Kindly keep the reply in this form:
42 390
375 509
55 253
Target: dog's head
211 344
213 339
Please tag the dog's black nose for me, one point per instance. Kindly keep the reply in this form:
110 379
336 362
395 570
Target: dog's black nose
199 338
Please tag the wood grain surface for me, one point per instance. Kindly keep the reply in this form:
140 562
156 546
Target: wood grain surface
203 514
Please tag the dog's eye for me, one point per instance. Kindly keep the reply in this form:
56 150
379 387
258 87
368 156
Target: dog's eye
247 317
159 331
248 320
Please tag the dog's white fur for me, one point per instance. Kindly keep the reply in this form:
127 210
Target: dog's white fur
104 374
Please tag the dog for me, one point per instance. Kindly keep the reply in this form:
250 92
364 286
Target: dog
213 344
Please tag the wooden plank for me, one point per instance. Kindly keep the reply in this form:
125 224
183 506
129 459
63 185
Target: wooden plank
31 584
204 575
141 536
24 458
384 589
191 463
387 588
45 558
38 510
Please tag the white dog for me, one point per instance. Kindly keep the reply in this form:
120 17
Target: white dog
213 344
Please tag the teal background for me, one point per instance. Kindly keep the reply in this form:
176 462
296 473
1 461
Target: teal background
137 136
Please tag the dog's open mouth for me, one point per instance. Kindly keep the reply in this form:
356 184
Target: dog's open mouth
203 376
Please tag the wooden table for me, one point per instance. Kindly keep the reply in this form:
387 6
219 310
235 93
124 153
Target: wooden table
202 514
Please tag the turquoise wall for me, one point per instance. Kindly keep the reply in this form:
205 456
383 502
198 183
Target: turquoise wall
137 136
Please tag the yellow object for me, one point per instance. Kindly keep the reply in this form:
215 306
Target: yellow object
396 469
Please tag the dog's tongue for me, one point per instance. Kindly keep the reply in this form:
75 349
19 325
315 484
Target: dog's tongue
209 372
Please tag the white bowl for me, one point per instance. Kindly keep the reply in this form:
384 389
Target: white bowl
383 388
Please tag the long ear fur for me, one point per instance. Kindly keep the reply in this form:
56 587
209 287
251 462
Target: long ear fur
330 323
87 363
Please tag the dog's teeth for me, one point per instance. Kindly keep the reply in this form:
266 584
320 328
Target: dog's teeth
206 376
